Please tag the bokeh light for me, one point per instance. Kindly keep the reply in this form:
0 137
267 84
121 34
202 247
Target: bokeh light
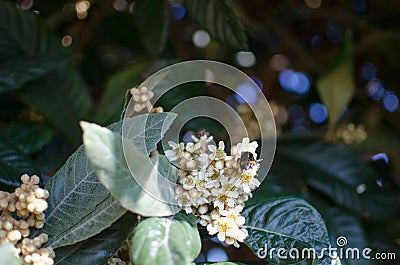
295 113
25 4
368 71
374 89
313 3
361 188
334 34
279 62
120 5
293 81
177 11
315 41
246 93
300 126
216 255
379 182
82 8
245 59
66 40
359 6
201 38
318 113
390 101
381 156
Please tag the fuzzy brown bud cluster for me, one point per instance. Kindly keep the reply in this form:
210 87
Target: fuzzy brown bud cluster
21 211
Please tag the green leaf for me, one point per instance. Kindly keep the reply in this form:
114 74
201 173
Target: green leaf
146 130
27 52
13 164
220 19
100 248
62 99
7 255
29 138
152 19
111 102
106 155
343 224
105 213
166 241
74 184
284 223
337 172
74 192
336 87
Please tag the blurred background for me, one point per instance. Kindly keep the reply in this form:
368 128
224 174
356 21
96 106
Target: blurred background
328 69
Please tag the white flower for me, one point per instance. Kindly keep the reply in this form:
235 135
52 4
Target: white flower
223 227
203 160
176 152
228 198
191 147
234 214
204 139
246 146
204 219
217 153
189 182
248 183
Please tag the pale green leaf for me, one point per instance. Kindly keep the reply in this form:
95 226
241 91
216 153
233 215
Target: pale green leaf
7 256
336 87
166 241
105 151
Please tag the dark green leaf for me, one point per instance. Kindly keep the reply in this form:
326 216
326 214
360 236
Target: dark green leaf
111 103
152 18
99 249
284 223
336 88
27 52
29 138
336 172
220 19
343 224
61 98
74 192
166 241
73 184
105 151
105 213
13 164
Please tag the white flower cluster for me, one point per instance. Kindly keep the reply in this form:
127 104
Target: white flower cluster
215 186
